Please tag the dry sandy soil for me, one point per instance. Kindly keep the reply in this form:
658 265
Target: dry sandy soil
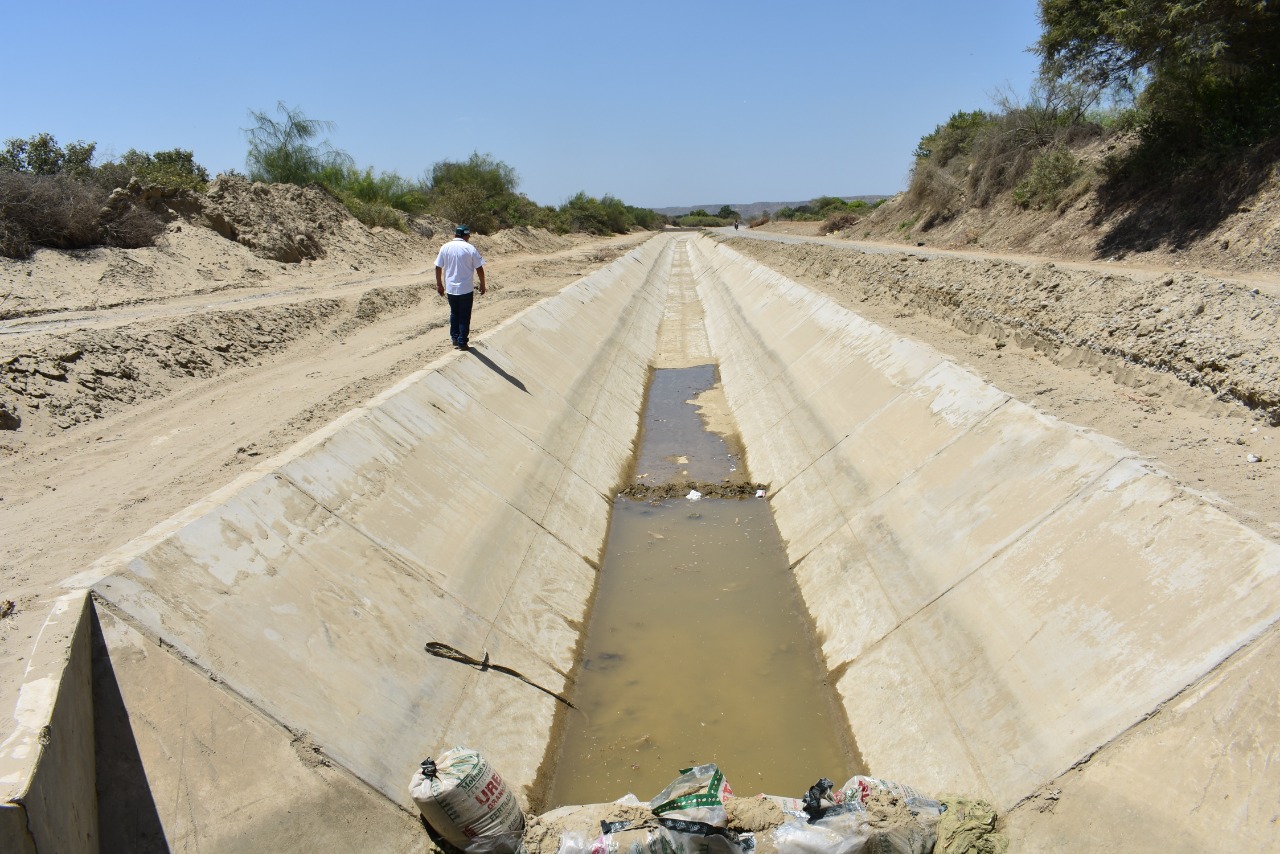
133 382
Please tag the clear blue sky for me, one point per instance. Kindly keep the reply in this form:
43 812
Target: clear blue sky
659 103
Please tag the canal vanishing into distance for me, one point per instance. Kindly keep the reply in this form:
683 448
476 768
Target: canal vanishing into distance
699 647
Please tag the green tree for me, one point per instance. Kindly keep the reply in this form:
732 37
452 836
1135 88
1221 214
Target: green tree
480 171
1209 69
41 155
954 138
603 216
479 191
175 168
729 213
282 151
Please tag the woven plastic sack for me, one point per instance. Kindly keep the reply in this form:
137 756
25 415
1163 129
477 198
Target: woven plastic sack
697 795
691 815
467 802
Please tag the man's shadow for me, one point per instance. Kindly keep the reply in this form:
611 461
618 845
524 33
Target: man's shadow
497 369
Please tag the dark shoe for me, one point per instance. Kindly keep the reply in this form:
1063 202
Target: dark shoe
463 347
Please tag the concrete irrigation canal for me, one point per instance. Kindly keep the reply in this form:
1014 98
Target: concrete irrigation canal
1002 601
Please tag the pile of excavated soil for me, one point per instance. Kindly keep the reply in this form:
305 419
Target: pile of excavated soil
237 236
59 381
1205 333
248 238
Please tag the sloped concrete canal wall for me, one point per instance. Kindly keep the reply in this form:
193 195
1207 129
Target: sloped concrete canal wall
1001 595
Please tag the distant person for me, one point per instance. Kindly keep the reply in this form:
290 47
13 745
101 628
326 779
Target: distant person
457 262
735 226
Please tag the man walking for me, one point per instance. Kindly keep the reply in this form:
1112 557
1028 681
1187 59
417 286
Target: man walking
455 264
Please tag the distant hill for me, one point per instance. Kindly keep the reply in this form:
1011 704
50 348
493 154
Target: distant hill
754 209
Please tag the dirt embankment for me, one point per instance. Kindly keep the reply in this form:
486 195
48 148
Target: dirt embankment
242 272
1223 220
1205 333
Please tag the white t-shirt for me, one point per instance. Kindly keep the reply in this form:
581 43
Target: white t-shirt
458 260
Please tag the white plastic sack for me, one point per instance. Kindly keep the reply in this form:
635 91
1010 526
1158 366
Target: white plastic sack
866 814
467 802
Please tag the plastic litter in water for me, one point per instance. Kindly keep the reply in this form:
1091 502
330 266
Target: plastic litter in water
694 495
759 493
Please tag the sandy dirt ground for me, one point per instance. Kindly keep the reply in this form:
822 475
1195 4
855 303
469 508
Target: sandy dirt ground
184 382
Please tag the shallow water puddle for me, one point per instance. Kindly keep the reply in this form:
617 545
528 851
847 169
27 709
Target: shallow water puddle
674 444
699 648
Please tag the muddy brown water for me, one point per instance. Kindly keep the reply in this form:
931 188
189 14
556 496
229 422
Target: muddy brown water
699 647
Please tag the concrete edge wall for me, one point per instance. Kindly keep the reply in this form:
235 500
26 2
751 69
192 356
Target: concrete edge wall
999 594
46 763
466 505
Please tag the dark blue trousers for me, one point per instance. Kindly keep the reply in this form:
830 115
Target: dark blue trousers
460 317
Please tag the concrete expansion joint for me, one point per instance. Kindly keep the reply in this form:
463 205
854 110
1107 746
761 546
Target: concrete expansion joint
1085 488
957 731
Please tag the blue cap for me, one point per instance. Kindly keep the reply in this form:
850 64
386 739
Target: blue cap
461 231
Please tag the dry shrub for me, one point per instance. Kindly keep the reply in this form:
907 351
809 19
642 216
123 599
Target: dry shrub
130 227
763 219
1005 151
936 191
838 222
1001 157
13 240
62 213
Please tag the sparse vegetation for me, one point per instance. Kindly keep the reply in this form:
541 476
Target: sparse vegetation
481 192
56 196
375 200
606 215
1051 175
976 156
1165 114
839 222
728 213
282 152
702 221
174 169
